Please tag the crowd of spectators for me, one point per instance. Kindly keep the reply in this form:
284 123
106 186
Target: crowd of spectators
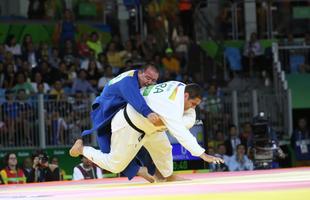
67 71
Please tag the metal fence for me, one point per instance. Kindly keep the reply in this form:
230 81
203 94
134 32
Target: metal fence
42 121
238 107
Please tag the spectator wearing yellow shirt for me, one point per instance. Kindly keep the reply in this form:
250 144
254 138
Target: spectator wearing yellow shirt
170 63
115 58
11 174
57 91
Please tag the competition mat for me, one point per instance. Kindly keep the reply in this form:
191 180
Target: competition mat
278 184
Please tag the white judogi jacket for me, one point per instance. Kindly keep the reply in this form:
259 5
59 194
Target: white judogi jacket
167 100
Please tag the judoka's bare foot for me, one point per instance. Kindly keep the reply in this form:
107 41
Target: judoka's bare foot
159 177
77 148
145 174
174 177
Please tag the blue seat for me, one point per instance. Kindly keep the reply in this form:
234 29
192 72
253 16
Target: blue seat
233 56
295 62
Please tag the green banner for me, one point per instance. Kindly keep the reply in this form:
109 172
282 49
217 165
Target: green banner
299 85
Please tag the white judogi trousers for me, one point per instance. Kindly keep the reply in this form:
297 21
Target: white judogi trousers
125 145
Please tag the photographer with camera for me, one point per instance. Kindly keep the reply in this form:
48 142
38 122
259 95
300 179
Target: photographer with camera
42 171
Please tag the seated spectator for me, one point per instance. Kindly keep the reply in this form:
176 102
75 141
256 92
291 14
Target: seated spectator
219 139
93 74
171 63
115 58
95 43
91 58
12 46
2 52
39 80
2 75
181 43
233 140
31 55
57 91
49 74
27 39
239 161
86 170
22 84
55 161
221 153
246 136
82 84
9 76
11 115
11 174
108 75
54 59
253 55
83 49
300 141
69 53
27 168
42 171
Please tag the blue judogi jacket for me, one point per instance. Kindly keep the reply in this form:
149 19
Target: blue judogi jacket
116 94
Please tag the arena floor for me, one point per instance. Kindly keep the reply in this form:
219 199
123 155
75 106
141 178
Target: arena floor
281 184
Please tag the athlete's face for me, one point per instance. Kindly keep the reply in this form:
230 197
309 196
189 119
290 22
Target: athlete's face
148 77
190 102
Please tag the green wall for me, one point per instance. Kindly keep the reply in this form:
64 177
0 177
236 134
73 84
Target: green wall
300 87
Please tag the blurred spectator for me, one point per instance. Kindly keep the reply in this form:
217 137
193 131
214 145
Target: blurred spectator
90 58
27 168
115 58
86 170
186 13
2 75
108 75
246 136
43 52
49 74
233 140
25 118
54 58
26 69
221 153
224 20
171 63
219 139
181 43
11 174
253 55
27 40
239 161
67 27
2 52
39 80
12 46
148 47
300 141
82 84
36 9
31 55
42 171
57 91
95 43
22 84
10 114
55 161
93 74
83 49
69 52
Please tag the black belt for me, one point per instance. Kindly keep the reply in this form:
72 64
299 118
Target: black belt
132 125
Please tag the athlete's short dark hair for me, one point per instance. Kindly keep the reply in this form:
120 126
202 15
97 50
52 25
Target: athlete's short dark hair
194 90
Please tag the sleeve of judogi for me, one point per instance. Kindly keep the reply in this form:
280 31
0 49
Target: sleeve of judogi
189 118
184 137
129 90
